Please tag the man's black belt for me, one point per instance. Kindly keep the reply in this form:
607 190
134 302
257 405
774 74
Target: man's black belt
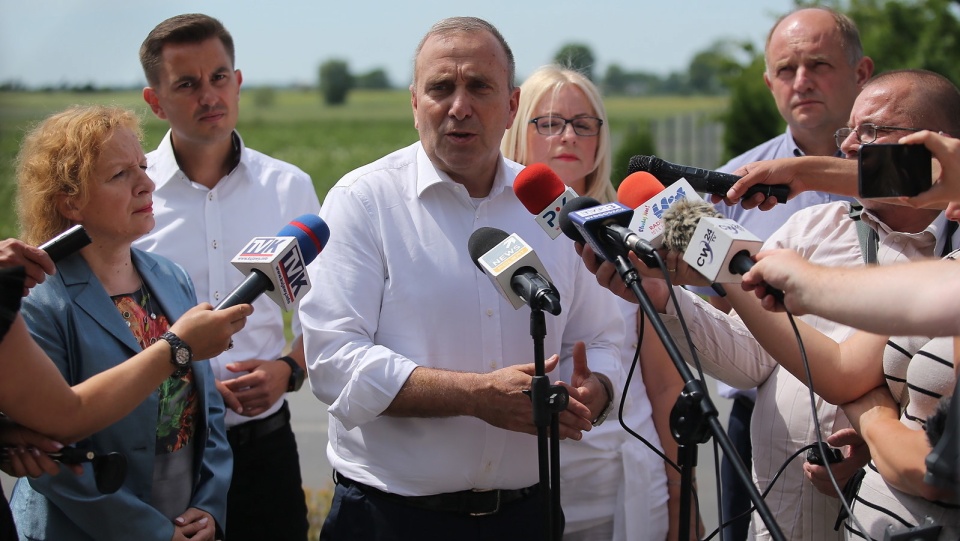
253 430
475 503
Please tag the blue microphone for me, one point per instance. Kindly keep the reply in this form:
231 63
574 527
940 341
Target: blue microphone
278 265
605 228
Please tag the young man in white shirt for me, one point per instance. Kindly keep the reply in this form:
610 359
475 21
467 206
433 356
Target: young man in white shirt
213 195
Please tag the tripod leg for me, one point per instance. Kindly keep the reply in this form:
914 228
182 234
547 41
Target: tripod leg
687 460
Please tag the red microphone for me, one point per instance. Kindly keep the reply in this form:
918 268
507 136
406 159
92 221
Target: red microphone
544 194
638 188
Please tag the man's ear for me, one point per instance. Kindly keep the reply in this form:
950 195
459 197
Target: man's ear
864 71
514 106
413 104
150 96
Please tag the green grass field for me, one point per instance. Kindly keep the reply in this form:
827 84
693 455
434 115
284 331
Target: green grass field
294 126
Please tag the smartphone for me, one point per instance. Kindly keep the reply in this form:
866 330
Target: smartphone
893 170
833 456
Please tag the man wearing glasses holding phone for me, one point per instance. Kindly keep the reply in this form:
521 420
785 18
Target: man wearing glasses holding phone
746 348
815 67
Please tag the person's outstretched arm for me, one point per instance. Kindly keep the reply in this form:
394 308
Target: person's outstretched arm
900 299
34 394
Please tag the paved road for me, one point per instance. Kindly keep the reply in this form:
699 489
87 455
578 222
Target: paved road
310 424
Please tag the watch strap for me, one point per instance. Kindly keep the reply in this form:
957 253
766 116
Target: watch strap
297 374
181 367
609 407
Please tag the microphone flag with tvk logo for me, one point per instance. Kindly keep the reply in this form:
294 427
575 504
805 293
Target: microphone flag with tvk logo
281 259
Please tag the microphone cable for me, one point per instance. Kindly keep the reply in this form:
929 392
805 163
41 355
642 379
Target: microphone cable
816 424
696 360
819 445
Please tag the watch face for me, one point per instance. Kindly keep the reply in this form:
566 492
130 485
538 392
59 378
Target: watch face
183 357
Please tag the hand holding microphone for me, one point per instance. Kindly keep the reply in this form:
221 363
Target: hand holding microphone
787 271
702 180
208 332
719 249
38 262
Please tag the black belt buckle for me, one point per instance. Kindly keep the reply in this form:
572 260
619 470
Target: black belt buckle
241 435
496 507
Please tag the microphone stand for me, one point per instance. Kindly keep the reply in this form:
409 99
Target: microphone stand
548 402
692 416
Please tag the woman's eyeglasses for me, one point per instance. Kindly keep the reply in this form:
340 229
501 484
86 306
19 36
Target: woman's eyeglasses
585 126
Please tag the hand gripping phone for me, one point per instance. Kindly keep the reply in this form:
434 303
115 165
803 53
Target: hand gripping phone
893 170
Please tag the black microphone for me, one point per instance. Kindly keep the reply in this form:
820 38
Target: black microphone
605 228
702 180
514 268
66 243
109 470
277 265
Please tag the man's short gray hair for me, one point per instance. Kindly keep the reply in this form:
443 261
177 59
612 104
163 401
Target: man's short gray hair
454 25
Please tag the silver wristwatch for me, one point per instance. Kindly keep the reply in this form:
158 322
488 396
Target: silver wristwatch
606 411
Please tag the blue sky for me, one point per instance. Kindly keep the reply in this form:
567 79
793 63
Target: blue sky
48 42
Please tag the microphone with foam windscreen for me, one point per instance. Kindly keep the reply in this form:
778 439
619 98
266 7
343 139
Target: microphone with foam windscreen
703 180
543 193
638 188
718 248
277 265
514 268
650 200
605 227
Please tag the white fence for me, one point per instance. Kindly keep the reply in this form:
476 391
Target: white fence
694 139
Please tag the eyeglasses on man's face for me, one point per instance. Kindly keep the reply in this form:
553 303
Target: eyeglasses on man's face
554 125
866 133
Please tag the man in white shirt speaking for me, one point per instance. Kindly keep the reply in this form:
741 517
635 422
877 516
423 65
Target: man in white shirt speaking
421 360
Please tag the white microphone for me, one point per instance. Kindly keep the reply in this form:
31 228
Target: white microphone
544 195
649 200
514 269
718 248
277 265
